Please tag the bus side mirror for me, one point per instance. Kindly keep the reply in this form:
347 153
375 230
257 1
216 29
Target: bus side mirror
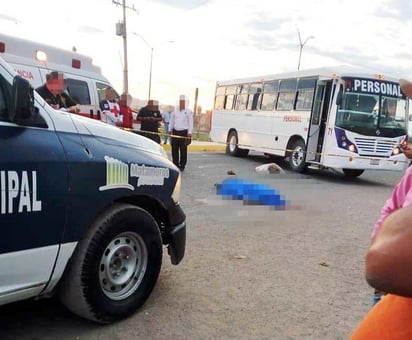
339 96
22 110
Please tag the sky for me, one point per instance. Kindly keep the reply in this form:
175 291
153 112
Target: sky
196 43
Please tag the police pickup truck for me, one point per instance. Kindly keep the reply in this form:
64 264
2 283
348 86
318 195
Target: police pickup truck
85 208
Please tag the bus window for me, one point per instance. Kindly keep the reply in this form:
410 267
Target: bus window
255 92
268 101
78 90
288 84
241 101
219 102
244 88
229 102
285 101
392 112
304 100
306 83
220 91
271 86
231 89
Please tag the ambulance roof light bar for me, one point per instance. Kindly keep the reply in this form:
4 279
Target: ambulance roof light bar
76 63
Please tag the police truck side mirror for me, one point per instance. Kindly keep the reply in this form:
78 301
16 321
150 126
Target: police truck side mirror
22 110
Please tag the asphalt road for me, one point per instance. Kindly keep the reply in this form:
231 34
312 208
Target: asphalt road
250 272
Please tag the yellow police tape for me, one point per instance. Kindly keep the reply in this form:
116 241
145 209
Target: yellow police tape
286 151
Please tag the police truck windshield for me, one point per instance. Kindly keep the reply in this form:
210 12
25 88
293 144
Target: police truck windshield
372 108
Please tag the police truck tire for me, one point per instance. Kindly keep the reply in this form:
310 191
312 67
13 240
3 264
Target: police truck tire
297 157
115 266
232 146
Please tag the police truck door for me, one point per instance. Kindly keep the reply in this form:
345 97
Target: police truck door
33 202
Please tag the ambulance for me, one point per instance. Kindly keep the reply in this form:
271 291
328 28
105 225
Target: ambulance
85 208
84 81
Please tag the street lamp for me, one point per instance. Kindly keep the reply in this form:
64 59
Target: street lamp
302 44
151 58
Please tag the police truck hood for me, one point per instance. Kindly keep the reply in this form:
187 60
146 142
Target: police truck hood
110 134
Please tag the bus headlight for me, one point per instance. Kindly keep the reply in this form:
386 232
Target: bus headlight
352 148
396 151
344 142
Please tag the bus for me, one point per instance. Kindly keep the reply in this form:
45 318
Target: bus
338 117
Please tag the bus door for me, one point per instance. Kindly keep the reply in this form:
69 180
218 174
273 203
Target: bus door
318 120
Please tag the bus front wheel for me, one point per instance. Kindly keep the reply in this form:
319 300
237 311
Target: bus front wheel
232 146
297 157
351 173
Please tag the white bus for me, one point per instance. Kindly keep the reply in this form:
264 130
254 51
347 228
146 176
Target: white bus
335 118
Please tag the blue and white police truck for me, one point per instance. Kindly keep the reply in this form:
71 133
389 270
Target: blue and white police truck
85 208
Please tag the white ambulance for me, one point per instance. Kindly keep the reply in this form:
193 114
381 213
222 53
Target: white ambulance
84 81
85 207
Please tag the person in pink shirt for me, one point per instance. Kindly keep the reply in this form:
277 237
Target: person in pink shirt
402 193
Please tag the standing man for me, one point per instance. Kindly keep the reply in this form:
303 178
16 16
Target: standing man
150 118
181 127
53 93
166 120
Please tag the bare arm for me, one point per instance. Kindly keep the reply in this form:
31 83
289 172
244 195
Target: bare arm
389 258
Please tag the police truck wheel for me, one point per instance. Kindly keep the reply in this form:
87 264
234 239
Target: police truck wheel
232 146
115 267
297 157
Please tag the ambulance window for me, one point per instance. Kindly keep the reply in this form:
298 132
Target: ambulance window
78 90
3 106
101 91
101 88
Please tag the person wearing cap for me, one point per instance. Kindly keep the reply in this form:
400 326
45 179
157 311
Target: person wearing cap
53 93
181 127
389 307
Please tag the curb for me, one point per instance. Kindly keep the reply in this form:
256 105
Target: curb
200 148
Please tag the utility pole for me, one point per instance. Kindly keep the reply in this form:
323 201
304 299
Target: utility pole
302 44
196 97
150 71
151 59
121 30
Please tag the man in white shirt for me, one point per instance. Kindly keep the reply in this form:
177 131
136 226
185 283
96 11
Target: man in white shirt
181 127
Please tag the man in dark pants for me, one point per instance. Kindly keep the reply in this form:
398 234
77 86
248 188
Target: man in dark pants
181 126
150 118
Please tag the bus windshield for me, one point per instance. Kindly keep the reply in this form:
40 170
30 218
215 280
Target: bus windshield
372 114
